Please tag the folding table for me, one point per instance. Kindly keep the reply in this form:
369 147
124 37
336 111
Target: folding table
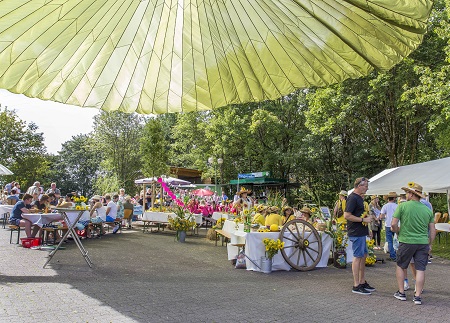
71 217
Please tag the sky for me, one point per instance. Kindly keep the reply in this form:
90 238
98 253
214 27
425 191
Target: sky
58 122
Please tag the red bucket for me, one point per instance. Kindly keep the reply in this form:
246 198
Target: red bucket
30 242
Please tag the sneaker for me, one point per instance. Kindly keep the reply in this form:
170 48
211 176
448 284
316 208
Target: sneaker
392 259
360 290
116 228
429 261
417 300
400 296
405 285
367 287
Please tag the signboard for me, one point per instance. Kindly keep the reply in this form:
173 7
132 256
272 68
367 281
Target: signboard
253 175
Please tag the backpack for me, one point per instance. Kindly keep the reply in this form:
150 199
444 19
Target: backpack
341 207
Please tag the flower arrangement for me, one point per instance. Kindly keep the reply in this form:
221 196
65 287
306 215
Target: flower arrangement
339 235
371 259
182 221
219 223
263 229
80 202
272 247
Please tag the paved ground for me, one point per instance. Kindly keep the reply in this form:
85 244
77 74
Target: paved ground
141 277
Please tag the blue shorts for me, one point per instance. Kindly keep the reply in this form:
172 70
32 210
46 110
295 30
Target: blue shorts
14 221
359 246
110 219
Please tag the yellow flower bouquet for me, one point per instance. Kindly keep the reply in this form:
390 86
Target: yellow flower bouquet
371 258
339 235
182 221
272 246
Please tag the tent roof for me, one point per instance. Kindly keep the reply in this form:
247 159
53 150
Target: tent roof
257 180
433 176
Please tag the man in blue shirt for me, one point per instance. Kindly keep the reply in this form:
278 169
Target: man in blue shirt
20 208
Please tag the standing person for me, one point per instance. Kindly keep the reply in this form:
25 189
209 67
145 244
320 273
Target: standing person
375 225
53 189
34 190
127 205
415 242
122 195
339 208
357 228
387 211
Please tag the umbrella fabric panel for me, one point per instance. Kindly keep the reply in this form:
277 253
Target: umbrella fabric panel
5 171
172 56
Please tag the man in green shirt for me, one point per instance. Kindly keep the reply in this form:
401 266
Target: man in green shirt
415 235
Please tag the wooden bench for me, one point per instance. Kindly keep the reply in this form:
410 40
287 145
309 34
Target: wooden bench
13 228
224 235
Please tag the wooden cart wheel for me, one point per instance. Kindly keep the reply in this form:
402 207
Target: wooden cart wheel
302 245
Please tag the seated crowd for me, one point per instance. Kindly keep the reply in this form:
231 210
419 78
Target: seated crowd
108 210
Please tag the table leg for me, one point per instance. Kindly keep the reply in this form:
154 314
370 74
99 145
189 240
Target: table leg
71 229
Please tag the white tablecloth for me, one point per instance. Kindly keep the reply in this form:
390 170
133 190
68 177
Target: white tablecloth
5 208
42 219
163 217
443 227
158 216
255 249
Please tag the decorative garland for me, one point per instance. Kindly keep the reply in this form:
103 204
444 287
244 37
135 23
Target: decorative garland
169 192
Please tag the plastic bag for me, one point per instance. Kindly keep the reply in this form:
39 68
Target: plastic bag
395 242
240 261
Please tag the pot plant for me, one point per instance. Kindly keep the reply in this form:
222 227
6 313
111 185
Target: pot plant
272 248
340 239
181 222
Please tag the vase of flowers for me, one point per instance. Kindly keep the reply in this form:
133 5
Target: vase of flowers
80 202
272 248
340 239
181 223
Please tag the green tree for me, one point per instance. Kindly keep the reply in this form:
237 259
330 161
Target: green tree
154 149
117 136
78 165
23 149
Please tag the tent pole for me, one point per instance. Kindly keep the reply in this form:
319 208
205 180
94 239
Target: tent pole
448 203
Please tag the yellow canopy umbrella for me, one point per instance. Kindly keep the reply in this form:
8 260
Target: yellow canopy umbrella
170 56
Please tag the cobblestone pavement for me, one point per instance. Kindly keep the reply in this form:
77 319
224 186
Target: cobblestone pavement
142 277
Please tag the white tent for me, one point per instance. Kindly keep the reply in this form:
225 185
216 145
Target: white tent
434 176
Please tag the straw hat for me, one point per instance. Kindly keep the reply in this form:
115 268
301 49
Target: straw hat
415 189
392 194
343 193
274 209
96 197
306 210
244 190
373 197
285 208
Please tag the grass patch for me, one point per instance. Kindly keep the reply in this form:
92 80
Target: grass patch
442 249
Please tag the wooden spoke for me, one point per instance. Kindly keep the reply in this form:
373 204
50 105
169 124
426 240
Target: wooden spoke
307 244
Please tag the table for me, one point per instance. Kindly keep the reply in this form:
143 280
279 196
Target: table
442 227
4 211
41 219
255 249
163 217
71 217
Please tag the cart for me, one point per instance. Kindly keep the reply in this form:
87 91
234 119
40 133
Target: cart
303 245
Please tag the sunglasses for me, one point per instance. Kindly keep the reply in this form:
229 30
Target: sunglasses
363 179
